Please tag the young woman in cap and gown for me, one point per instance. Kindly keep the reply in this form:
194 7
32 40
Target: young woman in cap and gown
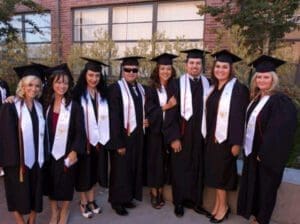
225 117
22 146
160 105
65 126
92 167
4 92
127 117
269 130
186 136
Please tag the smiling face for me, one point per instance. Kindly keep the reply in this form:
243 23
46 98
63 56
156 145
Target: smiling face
32 88
92 79
194 66
130 73
164 73
222 71
61 85
264 81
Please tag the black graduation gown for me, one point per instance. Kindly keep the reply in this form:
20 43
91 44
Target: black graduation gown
157 150
126 172
220 164
59 180
92 168
273 138
25 196
188 165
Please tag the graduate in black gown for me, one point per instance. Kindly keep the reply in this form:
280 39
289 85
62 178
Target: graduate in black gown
92 167
126 105
225 115
22 146
270 126
188 129
4 92
159 103
65 127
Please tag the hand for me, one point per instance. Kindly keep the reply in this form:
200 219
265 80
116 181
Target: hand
176 146
72 157
121 151
171 103
146 123
235 150
10 99
258 159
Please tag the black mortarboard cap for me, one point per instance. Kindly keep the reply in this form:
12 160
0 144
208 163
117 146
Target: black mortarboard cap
195 53
164 59
266 63
130 60
93 64
44 67
32 69
63 68
226 56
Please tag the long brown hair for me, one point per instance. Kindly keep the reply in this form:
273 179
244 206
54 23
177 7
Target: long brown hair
154 78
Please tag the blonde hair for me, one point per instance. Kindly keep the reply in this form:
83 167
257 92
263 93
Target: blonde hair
255 91
25 81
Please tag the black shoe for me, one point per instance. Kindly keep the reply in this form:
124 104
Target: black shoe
154 201
202 211
120 210
129 205
214 220
179 210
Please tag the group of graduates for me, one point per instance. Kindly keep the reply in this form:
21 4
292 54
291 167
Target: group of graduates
187 132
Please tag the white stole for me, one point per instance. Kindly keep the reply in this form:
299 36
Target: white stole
162 97
3 94
97 131
27 133
62 130
128 105
221 131
186 105
250 127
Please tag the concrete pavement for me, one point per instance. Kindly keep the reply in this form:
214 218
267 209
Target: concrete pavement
142 214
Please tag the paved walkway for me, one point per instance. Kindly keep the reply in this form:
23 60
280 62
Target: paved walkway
143 214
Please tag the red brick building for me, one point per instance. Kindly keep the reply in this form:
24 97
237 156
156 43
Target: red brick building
68 22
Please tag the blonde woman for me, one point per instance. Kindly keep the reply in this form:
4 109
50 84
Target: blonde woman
22 152
270 126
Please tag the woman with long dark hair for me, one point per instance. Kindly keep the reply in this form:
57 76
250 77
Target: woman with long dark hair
22 146
271 122
159 103
64 120
225 115
90 92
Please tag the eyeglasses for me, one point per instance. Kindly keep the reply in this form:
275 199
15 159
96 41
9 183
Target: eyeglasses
133 70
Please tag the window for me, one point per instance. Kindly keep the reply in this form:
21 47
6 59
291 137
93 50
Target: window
90 24
128 23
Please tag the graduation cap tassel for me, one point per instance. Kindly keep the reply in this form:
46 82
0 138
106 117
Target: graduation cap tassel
250 76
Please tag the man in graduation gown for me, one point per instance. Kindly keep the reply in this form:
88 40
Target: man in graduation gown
126 104
186 136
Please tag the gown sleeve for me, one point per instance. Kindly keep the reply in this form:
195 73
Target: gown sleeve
116 117
277 139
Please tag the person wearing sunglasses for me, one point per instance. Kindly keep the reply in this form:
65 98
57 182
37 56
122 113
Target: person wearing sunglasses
127 117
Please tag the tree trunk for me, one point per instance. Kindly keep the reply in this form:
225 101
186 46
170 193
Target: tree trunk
266 45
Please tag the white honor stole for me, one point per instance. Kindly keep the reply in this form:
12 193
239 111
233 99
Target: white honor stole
162 97
62 130
186 105
97 131
27 133
3 94
128 105
221 131
250 126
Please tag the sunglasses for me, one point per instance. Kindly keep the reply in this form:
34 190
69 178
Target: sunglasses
133 70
